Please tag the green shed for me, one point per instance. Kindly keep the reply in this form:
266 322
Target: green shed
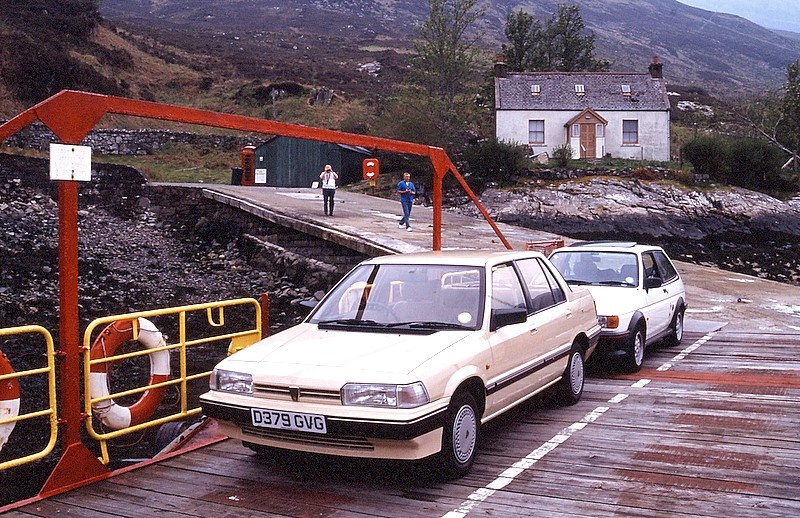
292 162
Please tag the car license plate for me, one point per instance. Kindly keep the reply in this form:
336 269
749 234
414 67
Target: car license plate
288 420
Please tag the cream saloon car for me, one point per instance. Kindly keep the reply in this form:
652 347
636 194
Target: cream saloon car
408 356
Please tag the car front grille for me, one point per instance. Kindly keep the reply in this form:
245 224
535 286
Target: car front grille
309 439
286 393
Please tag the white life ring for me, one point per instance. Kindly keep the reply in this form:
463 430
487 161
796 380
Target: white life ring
111 414
9 400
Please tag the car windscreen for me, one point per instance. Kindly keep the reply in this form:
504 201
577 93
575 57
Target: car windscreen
413 296
593 267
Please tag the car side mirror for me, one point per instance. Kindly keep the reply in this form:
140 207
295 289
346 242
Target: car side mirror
506 317
652 282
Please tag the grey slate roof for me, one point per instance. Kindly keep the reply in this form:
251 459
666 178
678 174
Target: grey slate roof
603 91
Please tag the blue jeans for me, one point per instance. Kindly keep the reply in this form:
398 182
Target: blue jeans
406 213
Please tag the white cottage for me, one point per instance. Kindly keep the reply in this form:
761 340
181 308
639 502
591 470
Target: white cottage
623 115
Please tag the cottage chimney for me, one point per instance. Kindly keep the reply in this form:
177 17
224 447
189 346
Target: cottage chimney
500 67
655 69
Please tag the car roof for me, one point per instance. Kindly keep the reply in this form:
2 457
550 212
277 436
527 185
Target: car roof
608 246
455 257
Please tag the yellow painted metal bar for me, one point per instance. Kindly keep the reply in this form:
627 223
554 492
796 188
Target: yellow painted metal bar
52 404
183 346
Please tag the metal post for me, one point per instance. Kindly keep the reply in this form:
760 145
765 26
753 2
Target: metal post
264 315
77 465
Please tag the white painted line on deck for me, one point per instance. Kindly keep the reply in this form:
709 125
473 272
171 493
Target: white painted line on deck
507 476
527 462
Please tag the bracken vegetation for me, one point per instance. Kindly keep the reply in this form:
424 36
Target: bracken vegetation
41 41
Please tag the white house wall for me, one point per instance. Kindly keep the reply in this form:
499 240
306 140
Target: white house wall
654 131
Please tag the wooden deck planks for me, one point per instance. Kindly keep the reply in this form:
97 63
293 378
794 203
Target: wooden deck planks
716 432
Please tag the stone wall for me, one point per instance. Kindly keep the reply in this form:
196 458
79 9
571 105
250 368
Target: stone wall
302 259
127 142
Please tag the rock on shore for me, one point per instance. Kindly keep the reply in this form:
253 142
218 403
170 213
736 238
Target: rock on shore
732 228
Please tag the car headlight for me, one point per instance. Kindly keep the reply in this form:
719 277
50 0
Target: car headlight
608 322
381 395
231 381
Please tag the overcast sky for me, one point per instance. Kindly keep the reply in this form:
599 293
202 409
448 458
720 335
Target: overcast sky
774 14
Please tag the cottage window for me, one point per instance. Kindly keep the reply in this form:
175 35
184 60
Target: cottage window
626 89
630 132
536 132
536 89
576 130
579 90
599 130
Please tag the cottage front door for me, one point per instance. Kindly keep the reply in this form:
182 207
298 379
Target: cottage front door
588 141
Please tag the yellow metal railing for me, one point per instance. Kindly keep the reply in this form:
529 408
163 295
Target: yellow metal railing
238 339
50 411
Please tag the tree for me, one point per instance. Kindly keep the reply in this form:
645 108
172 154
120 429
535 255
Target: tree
569 48
790 105
443 94
523 32
446 52
775 117
562 45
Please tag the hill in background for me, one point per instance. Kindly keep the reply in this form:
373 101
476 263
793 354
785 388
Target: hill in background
234 55
721 52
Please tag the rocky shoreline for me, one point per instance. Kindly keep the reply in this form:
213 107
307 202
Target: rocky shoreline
731 228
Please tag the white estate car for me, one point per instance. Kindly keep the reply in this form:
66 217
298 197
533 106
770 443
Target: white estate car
408 356
639 294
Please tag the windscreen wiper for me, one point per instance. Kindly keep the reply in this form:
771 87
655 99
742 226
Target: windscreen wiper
614 283
416 324
352 322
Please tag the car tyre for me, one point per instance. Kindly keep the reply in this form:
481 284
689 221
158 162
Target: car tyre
167 433
570 388
460 436
635 353
676 334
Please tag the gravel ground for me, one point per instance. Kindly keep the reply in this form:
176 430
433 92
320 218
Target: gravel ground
125 265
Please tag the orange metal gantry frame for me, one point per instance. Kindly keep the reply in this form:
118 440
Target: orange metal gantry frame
71 115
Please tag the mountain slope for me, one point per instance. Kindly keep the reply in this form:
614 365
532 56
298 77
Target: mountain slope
721 52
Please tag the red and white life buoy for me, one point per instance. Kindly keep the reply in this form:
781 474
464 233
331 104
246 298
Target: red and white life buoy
114 335
9 400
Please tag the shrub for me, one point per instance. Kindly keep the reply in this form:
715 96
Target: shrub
562 155
754 163
708 155
494 160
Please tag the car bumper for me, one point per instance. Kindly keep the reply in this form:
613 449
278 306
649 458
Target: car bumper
411 439
613 342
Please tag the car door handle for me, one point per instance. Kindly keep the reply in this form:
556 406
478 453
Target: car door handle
534 330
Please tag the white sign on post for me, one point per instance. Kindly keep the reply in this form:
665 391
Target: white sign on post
70 162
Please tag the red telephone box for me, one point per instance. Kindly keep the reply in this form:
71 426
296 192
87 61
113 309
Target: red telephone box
247 155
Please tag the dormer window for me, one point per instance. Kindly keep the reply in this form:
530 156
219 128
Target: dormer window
536 89
626 89
579 90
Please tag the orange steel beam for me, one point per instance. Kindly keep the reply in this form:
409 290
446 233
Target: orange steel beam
71 115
